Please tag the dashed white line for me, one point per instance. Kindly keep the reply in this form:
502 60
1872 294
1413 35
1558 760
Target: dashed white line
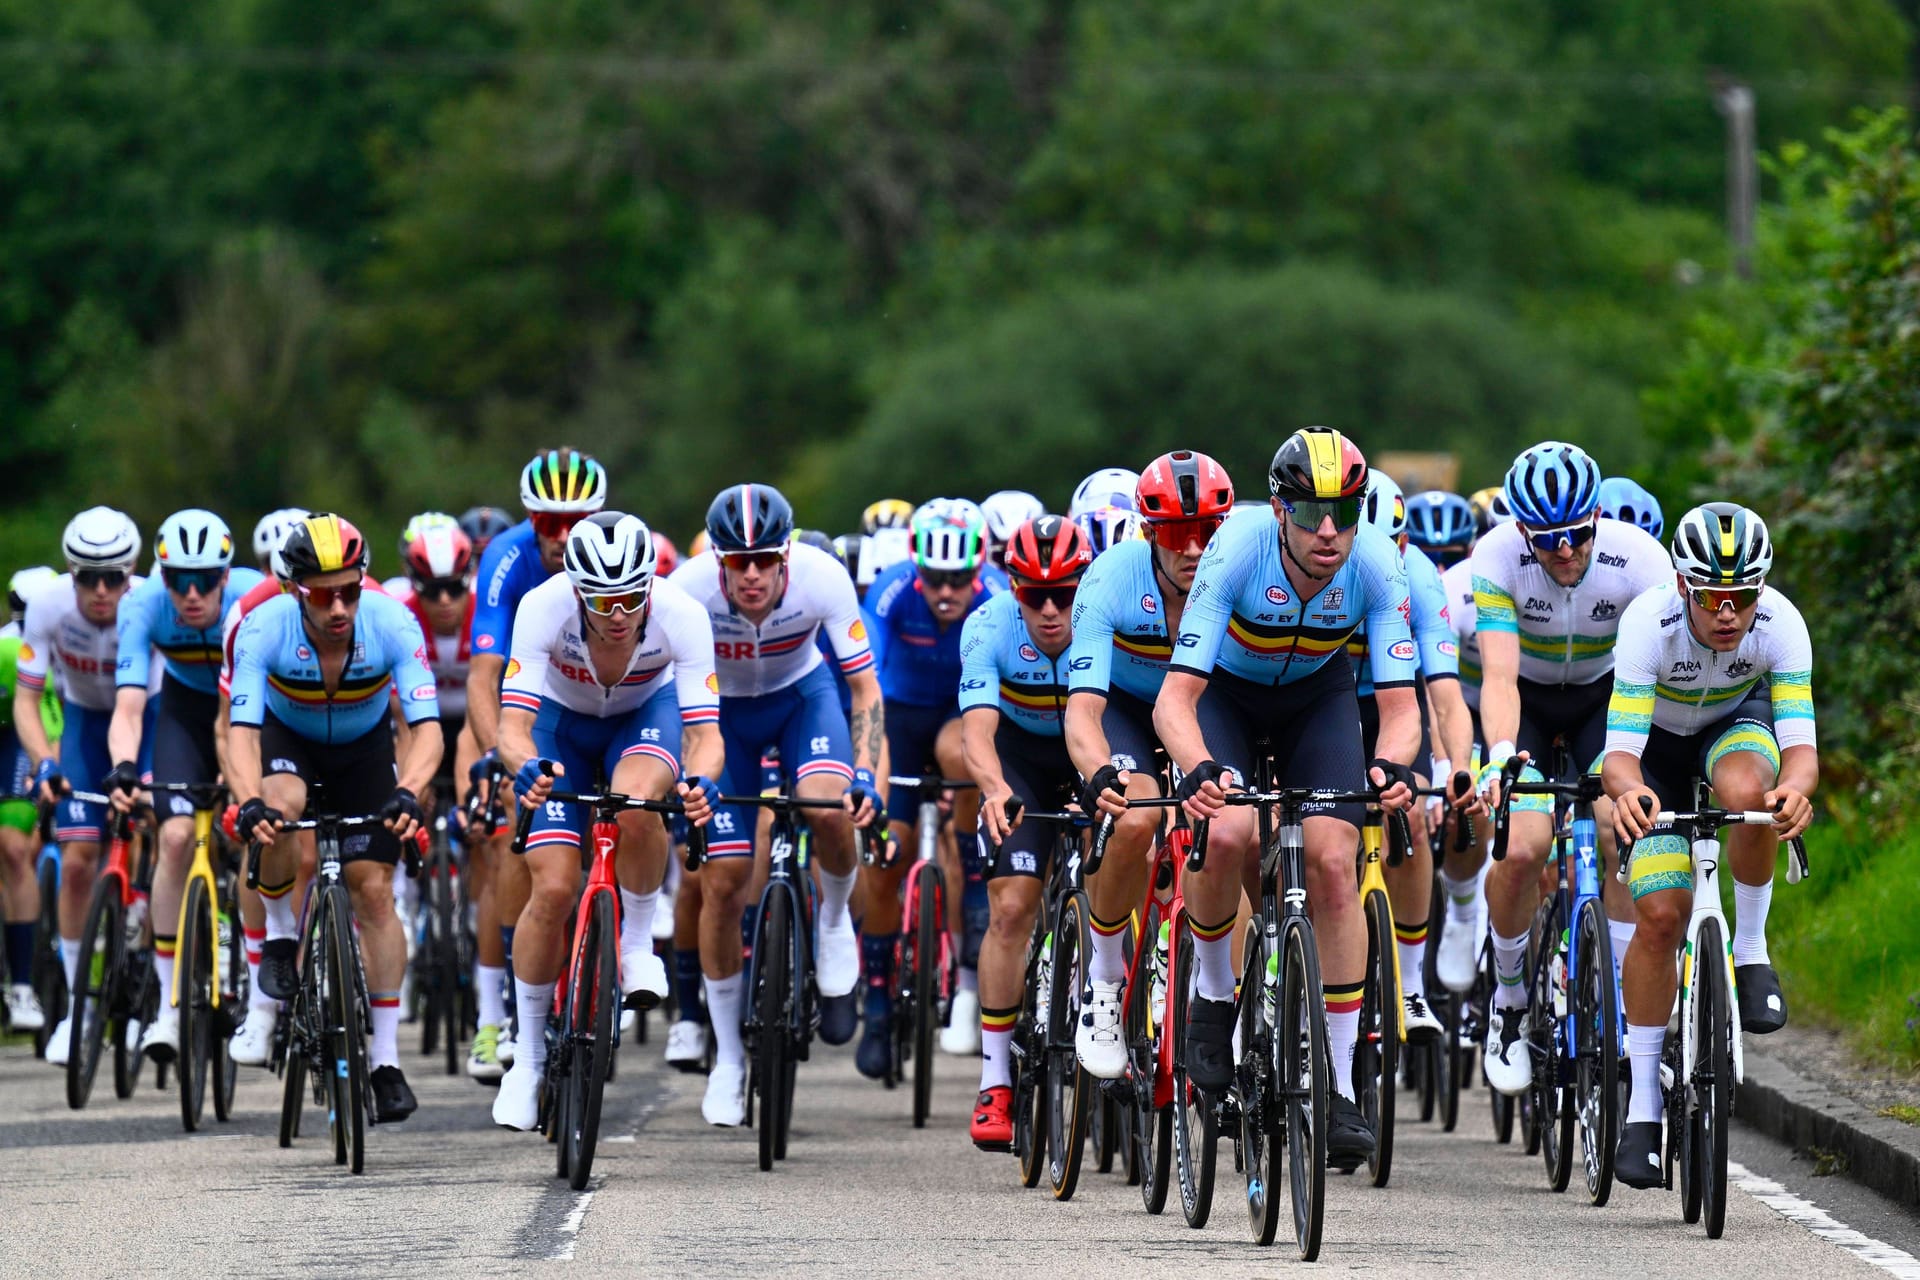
1807 1214
570 1229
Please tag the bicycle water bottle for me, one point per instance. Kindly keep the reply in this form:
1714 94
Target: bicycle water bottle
136 921
1044 973
223 929
1559 971
1157 992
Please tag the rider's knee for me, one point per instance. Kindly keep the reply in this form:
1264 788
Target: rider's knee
1662 917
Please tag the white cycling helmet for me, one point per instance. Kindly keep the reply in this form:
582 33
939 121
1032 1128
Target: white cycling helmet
1109 526
1007 510
273 530
880 551
101 538
949 535
1385 506
1722 544
610 552
25 584
193 539
1107 487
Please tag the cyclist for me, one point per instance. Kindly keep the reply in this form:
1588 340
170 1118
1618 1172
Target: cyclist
1263 642
1490 508
314 673
916 609
771 599
70 627
19 820
1107 487
1013 691
272 530
1107 527
1548 589
1006 511
1128 609
558 488
438 557
1713 679
1622 499
1441 524
182 613
611 674
482 525
887 513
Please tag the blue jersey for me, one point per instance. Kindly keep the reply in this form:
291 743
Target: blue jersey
1001 667
510 568
148 622
919 664
1244 616
275 668
1432 627
1119 625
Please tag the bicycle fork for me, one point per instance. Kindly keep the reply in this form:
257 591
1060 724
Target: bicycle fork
1706 906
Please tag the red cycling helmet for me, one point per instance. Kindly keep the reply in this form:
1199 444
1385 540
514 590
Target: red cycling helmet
666 555
1183 485
1048 549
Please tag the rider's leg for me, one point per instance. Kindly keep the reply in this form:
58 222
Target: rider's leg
1410 889
1015 900
169 885
1513 893
961 860
1119 888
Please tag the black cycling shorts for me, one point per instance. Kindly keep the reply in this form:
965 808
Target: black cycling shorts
355 778
1370 727
1577 712
1042 778
183 742
1312 727
1671 761
1128 725
911 732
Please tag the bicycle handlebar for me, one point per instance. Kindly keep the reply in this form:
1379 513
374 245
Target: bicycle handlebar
1461 785
872 836
1291 797
409 849
937 784
613 802
1798 868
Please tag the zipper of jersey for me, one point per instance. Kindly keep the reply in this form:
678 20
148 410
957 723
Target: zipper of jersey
1566 668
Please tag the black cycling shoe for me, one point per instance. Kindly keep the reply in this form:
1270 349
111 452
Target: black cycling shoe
279 968
1636 1161
1763 1007
1349 1136
874 1057
393 1101
839 1017
1210 1043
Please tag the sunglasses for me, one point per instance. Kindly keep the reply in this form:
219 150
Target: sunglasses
111 579
1038 595
554 525
1714 599
183 581
1309 513
606 605
324 597
1447 557
440 588
948 579
1574 535
764 561
1178 535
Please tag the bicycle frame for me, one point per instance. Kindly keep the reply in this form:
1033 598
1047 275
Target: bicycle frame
1372 837
119 859
207 798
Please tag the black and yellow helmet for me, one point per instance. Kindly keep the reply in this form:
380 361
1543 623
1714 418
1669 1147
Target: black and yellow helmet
1317 463
322 543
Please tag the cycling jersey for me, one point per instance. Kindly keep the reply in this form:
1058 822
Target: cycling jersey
88 654
919 664
449 654
1458 584
1432 630
758 659
549 660
1665 678
509 570
266 589
1001 667
50 713
277 669
1242 616
1566 633
1120 636
148 621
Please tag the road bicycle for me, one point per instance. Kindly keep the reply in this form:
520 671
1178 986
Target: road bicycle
443 946
116 989
1150 1048
1435 1067
210 963
926 969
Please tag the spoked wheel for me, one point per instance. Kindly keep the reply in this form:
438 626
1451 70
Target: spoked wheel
1152 1125
772 994
1069 1088
142 1003
1480 1009
49 976
233 1003
1305 1082
1683 1138
193 969
1029 1062
1376 1062
1596 1083
1552 1081
926 986
1712 1075
99 976
590 1025
1196 1123
1103 1134
1262 1131
1457 1049
294 1083
346 1013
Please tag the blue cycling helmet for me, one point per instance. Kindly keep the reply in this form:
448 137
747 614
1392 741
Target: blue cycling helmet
1436 518
1622 499
749 517
1552 485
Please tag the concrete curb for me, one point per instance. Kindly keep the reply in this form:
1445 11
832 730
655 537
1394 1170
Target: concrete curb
1879 1152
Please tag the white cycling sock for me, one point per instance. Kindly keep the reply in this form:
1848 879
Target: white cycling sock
70 960
1213 957
383 1050
1643 1047
1620 933
1750 905
835 892
723 1012
163 970
1343 1036
280 918
970 980
490 993
1109 962
636 920
535 1002
1463 897
996 1058
1510 967
1413 963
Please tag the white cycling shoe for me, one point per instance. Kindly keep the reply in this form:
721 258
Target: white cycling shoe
961 1036
1508 1062
23 1008
726 1101
57 1046
643 977
836 960
517 1106
161 1039
1458 964
687 1045
1097 1040
252 1044
1418 1018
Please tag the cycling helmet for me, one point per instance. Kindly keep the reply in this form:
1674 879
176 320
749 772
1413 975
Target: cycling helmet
27 583
817 540
1107 487
888 513
322 543
1489 509
610 553
563 480
1108 527
881 551
1722 544
699 545
1007 510
1049 549
1183 485
101 538
1386 506
193 539
483 524
273 530
950 535
1552 485
666 556
1622 499
1317 463
848 548
434 546
749 517
1436 518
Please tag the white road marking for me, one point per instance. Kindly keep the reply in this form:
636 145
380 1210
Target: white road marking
570 1230
1823 1224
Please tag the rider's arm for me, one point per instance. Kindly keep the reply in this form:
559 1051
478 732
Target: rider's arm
32 675
1452 723
424 748
123 733
1089 673
1499 688
243 762
978 726
702 751
418 696
1176 720
483 698
223 737
516 738
1086 737
866 720
26 722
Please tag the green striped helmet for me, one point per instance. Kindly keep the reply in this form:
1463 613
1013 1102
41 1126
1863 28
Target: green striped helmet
563 480
949 534
1722 544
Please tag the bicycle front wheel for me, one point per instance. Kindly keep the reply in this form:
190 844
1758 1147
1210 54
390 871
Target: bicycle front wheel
1552 1081
98 978
1376 1061
1596 1082
1262 1131
1068 1087
233 1001
1712 1074
48 976
1196 1125
1304 1082
193 978
926 986
1146 1031
772 994
447 970
590 1027
346 1016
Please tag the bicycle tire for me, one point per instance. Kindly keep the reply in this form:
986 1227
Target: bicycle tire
1597 1064
348 1032
1680 1132
1099 1134
1552 1081
772 987
193 979
1262 1131
294 1069
94 1007
1069 1087
1458 1051
142 1004
1196 1125
446 953
1713 1072
48 976
1152 1125
926 987
233 999
592 1030
1376 1062
1028 1068
1305 1080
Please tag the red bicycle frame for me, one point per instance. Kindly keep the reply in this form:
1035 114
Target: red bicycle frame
601 879
1169 862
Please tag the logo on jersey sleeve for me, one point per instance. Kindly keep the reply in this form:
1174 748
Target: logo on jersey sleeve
422 693
1402 649
1449 648
1406 610
713 682
26 652
858 631
513 667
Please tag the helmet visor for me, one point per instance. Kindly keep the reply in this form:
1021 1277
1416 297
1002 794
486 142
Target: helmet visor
1178 535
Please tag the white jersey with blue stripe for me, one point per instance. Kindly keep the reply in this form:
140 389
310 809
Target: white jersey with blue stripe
1000 666
549 659
1120 638
1458 581
1566 634
57 637
277 669
819 600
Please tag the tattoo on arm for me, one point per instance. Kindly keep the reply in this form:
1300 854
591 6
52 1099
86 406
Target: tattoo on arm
869 726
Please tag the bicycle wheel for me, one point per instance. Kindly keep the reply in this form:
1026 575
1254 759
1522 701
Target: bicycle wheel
193 970
772 994
233 1002
1458 1052
1069 1089
1102 1134
1552 1079
99 976
1262 1132
591 1028
1152 1125
294 1083
1712 1074
447 971
1196 1125
1683 1143
346 1014
48 976
142 1002
1029 1059
1596 1067
926 987
1304 1082
1376 1060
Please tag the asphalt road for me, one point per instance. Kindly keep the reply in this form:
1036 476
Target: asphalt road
120 1190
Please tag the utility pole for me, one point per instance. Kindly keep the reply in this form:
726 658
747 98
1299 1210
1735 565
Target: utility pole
1734 101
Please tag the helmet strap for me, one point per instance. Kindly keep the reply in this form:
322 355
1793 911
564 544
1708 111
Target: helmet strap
1160 572
1286 549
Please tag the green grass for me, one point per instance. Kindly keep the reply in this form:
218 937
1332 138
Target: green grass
1902 1112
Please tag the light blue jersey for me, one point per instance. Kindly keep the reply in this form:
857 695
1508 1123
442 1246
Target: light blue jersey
148 622
1120 636
275 668
1432 627
1001 667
